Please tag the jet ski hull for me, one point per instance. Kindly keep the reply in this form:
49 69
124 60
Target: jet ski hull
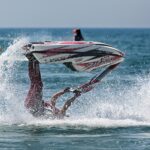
77 55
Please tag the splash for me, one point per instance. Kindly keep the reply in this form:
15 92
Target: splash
104 107
128 107
11 106
9 58
131 103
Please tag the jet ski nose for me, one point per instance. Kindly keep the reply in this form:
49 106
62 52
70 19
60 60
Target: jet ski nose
118 53
119 57
121 54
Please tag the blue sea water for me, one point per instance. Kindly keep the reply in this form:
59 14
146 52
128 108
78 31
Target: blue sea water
114 116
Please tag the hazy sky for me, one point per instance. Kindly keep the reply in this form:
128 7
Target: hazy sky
74 13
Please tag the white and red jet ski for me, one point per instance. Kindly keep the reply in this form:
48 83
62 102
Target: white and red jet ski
77 55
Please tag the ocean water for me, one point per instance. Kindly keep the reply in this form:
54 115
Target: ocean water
114 116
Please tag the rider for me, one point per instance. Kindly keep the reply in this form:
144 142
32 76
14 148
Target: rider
34 102
77 35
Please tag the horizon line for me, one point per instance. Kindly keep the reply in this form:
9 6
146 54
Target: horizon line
75 27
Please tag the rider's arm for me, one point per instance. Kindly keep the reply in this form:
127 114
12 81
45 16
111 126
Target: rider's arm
57 95
69 102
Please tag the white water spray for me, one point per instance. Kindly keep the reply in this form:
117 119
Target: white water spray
11 103
130 106
128 103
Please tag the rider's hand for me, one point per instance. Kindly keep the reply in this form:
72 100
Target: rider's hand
77 92
67 89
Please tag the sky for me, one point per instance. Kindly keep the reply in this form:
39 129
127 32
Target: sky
75 13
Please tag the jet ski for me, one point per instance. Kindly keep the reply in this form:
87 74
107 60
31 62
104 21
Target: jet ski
76 55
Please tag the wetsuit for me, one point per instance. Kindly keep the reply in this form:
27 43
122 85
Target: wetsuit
34 103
